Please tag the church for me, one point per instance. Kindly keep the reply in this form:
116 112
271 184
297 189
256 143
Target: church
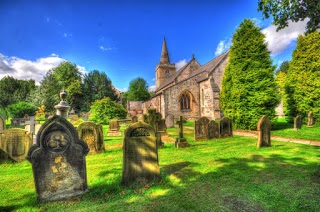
192 91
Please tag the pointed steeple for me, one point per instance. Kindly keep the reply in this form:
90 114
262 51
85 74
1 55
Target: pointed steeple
164 54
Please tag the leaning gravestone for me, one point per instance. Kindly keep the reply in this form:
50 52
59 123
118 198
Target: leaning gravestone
92 134
2 124
225 127
58 161
15 143
181 142
114 128
213 131
264 129
297 123
310 119
201 131
170 121
140 154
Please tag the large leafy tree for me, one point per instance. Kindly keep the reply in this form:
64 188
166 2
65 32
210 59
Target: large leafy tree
303 77
293 10
96 85
248 87
138 90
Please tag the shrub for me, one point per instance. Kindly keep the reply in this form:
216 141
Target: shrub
18 110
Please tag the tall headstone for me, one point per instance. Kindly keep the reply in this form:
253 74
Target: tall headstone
92 134
225 127
297 123
15 143
213 130
201 129
153 119
181 142
58 161
264 129
310 119
114 128
140 154
170 121
162 128
2 124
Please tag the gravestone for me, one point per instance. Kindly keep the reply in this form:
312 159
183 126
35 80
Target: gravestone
37 128
181 142
15 143
225 127
213 130
201 131
153 118
58 161
2 124
310 119
134 119
264 129
92 134
170 121
140 154
114 128
162 128
297 123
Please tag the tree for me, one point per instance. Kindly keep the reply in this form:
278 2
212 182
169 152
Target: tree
96 85
103 110
303 77
138 90
18 110
248 86
293 10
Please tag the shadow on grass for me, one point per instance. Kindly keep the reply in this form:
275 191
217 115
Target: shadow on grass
29 200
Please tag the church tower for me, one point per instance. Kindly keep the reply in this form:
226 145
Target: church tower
164 69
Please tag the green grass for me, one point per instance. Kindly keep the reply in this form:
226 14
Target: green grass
218 175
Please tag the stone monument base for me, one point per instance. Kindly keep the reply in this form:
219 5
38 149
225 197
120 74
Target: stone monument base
181 143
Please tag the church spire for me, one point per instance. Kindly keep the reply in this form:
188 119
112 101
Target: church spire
164 54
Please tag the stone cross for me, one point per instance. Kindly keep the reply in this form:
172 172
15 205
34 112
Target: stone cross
180 123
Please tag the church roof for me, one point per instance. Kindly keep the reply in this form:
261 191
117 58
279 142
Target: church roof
208 67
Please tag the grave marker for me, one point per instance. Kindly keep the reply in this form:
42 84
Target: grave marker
297 123
181 142
201 129
92 134
114 128
213 130
134 119
310 119
225 127
170 121
264 129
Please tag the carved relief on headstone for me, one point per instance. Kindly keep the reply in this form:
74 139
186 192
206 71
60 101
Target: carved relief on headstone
2 124
170 121
114 128
297 123
58 161
213 130
264 129
92 134
310 119
225 127
15 143
140 154
201 131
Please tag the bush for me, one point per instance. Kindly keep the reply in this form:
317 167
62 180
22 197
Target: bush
18 110
103 110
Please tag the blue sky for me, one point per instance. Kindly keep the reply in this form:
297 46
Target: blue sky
124 38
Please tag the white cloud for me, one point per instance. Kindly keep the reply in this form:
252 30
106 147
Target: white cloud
281 40
102 48
122 89
67 35
223 46
152 88
180 64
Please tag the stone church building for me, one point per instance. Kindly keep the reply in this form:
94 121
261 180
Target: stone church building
192 91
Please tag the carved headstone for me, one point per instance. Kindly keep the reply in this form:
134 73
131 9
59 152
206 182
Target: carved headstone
114 128
92 134
297 123
225 127
264 129
213 130
15 143
2 124
134 119
140 154
170 121
181 142
58 161
310 119
201 131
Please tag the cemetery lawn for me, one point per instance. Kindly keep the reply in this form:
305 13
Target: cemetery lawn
228 174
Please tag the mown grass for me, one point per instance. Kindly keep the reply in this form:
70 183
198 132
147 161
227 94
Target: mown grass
218 175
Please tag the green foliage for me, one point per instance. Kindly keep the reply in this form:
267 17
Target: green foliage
18 110
4 113
248 86
303 78
103 110
96 85
293 10
138 90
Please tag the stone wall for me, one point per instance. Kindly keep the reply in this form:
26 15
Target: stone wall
188 70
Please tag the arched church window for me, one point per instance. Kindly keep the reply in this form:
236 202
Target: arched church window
167 74
185 101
